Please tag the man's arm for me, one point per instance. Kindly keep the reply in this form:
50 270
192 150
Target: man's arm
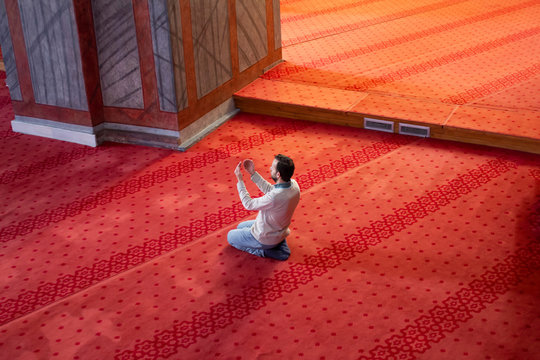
262 184
249 203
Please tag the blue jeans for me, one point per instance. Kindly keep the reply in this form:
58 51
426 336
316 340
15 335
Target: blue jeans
242 239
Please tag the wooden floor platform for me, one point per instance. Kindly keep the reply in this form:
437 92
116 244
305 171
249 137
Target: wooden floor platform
339 117
422 114
468 71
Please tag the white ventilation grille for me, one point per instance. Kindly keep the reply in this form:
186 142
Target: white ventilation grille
379 125
414 130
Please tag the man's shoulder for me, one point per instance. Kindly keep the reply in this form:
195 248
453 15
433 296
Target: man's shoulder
294 184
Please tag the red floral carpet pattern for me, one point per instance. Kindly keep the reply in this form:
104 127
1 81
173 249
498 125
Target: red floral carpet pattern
370 22
462 306
6 134
143 182
467 172
494 86
413 70
185 334
330 10
136 255
6 112
455 64
443 60
401 248
286 69
49 163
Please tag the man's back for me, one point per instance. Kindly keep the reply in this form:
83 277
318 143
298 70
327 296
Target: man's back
272 223
266 235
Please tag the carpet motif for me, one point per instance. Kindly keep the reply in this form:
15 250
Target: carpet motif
466 302
83 278
444 60
287 68
6 112
49 163
186 333
140 183
401 248
7 134
315 13
424 67
493 86
370 22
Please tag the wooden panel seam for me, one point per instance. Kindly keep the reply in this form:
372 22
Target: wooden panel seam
19 51
270 27
143 33
173 10
89 59
189 56
233 32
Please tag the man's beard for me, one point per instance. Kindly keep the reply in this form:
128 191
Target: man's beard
274 178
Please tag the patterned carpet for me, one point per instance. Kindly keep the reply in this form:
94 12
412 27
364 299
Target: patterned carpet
455 63
402 248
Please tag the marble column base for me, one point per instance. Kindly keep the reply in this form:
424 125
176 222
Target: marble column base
137 135
55 130
193 133
127 134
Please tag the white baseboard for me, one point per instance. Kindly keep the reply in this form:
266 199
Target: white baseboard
55 130
130 134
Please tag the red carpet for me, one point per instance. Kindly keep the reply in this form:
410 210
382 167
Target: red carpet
470 65
401 249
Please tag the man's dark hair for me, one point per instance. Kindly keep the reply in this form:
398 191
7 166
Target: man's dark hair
285 167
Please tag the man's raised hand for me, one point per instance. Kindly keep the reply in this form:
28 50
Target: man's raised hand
249 166
238 171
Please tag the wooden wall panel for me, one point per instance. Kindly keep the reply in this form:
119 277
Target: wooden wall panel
277 24
161 64
118 53
211 44
12 77
252 32
52 46
163 59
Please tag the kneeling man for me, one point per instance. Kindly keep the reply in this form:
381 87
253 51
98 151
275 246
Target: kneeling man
266 235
